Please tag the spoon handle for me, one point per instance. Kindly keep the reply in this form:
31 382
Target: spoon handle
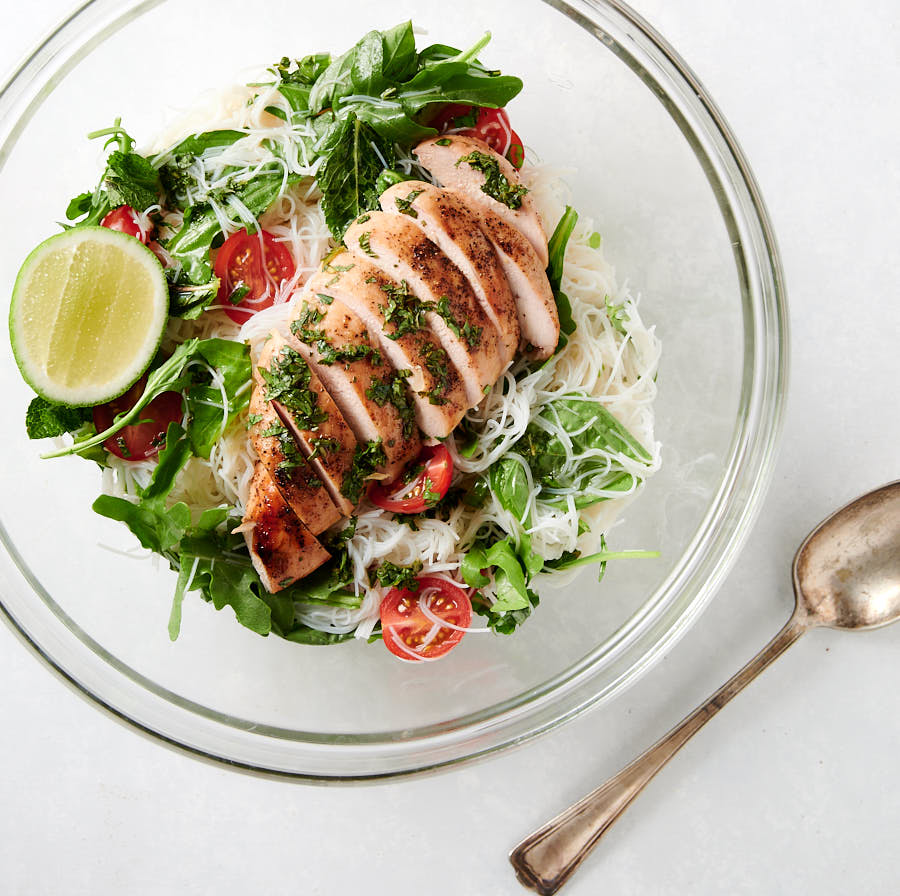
544 860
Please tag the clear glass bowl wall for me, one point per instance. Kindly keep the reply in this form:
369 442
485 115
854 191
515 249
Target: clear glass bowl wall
648 157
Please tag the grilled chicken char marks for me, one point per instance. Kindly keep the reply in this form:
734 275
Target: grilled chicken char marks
443 217
399 249
359 379
283 460
313 420
444 157
282 549
527 278
434 385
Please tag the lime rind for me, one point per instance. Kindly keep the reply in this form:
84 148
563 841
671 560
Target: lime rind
114 314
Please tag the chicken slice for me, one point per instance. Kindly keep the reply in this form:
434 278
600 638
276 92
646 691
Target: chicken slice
431 282
311 417
282 549
445 158
351 366
527 277
442 216
298 483
434 385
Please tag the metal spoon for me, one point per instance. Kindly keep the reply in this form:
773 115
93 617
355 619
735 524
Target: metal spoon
846 576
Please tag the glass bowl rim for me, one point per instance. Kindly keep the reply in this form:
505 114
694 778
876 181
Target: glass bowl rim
686 591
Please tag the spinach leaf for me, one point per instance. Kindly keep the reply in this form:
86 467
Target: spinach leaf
590 426
207 416
512 569
509 483
197 144
190 246
556 250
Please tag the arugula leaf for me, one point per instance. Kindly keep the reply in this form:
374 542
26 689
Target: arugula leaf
44 420
154 525
349 174
165 378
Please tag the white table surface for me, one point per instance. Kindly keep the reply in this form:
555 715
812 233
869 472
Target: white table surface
795 788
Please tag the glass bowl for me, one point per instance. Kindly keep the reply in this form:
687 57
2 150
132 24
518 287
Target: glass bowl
655 165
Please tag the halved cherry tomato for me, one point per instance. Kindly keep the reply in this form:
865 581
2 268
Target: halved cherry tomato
423 484
256 270
490 125
125 220
410 634
145 438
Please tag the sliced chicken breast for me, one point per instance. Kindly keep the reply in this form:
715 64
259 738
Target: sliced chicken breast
282 458
445 157
314 421
353 369
527 277
282 549
430 281
434 385
442 216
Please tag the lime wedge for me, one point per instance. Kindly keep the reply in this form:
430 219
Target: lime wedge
87 315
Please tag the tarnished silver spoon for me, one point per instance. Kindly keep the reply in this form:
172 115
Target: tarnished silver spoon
846 576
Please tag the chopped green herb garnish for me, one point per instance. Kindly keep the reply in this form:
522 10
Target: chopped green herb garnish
390 575
471 334
403 309
323 444
496 184
288 382
291 454
617 315
367 458
444 141
364 244
392 389
404 206
437 363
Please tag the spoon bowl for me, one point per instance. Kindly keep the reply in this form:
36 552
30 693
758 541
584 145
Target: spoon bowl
846 576
847 572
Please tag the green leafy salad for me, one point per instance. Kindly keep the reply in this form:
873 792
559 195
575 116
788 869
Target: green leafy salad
215 229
